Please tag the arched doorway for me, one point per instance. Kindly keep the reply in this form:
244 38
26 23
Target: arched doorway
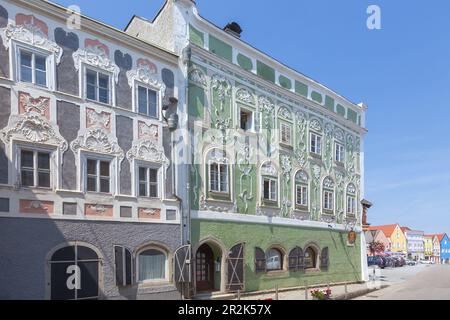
74 273
205 269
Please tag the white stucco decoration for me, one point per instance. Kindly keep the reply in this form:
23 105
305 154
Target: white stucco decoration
99 141
96 57
146 75
148 150
31 35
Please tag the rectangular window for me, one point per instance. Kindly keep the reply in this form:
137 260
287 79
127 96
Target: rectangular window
148 182
328 200
33 68
270 189
286 134
97 86
147 102
218 175
98 176
302 196
246 120
35 169
316 144
340 153
351 205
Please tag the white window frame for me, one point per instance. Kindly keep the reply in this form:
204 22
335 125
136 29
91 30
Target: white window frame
252 121
112 171
271 180
315 148
284 126
304 202
167 268
328 202
36 149
135 98
339 152
351 205
83 86
17 48
219 180
148 167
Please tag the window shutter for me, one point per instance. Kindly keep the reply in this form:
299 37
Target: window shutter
123 264
324 259
260 260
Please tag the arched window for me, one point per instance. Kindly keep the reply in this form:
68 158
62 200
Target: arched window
74 273
218 171
274 260
296 259
269 181
301 190
328 195
152 265
351 199
310 258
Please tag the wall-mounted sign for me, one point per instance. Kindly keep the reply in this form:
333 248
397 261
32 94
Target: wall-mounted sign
351 238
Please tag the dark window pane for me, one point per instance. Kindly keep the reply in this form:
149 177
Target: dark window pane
153 175
85 253
142 189
266 189
104 169
25 59
44 179
91 92
103 81
40 63
27 159
91 85
26 74
152 109
142 174
44 161
92 167
142 100
104 185
27 178
153 191
91 184
91 78
103 95
41 78
64 254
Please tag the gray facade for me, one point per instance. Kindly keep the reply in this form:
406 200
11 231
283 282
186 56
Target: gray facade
26 244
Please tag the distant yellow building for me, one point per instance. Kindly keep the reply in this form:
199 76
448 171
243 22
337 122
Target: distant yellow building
428 244
396 236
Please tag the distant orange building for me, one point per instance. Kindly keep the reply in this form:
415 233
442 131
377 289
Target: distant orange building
395 235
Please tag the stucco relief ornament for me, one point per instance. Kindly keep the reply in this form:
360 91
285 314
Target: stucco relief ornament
148 150
97 140
204 205
244 95
316 173
223 88
301 150
198 77
268 169
351 155
33 127
339 134
285 113
328 183
95 55
315 125
30 34
328 147
147 74
244 162
286 168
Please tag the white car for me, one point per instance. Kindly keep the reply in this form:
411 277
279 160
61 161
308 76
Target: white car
426 262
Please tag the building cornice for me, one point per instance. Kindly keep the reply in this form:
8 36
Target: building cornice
204 54
103 30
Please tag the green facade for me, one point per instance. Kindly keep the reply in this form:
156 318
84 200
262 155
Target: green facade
345 261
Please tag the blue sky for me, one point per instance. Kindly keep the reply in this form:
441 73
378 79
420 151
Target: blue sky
402 72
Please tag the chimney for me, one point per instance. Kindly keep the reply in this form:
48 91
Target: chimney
234 29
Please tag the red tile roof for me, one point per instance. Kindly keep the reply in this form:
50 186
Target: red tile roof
388 230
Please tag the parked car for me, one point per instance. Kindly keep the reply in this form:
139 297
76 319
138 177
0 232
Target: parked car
426 262
377 261
401 261
411 262
390 262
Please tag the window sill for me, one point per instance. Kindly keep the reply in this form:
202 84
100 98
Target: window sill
339 164
109 105
286 145
316 156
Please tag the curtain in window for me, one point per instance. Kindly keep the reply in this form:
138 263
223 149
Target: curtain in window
152 265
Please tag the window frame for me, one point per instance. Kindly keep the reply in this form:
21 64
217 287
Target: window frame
35 150
84 156
315 259
17 48
219 180
252 124
305 203
148 167
135 99
339 153
166 270
284 125
351 205
317 146
84 84
281 256
270 179
331 203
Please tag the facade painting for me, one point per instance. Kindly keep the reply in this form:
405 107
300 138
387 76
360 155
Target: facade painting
84 160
